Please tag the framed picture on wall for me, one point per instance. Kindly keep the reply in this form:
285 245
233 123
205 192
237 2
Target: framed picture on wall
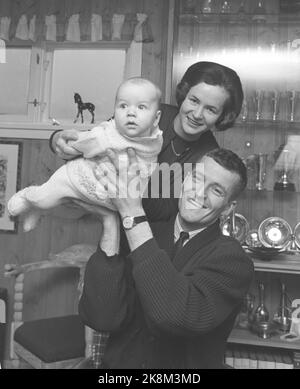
10 160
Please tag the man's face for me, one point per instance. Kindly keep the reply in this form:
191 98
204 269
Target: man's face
206 194
136 110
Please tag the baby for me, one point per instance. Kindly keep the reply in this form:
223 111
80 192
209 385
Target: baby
135 125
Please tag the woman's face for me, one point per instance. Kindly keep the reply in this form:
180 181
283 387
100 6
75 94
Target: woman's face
200 110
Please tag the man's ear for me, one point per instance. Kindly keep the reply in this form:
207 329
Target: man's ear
229 208
157 118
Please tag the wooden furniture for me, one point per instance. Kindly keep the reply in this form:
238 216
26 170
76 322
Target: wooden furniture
287 264
49 343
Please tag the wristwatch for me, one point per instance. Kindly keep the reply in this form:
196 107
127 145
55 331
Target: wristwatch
130 221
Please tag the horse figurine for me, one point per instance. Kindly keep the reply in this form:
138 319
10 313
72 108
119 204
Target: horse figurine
82 106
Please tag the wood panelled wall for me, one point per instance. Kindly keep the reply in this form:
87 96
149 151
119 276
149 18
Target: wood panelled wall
62 227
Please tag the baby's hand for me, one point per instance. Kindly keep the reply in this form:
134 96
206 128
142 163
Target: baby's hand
62 144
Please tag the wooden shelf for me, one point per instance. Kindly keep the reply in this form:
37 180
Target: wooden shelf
267 123
235 18
241 336
284 263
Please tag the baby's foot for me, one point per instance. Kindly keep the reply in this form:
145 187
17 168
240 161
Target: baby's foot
31 220
18 203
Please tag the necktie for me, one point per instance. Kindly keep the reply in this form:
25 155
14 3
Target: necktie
180 242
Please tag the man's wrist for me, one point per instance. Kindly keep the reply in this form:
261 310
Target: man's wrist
139 211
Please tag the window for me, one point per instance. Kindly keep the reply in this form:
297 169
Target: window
17 84
39 81
94 74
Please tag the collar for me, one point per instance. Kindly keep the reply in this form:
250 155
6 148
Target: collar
178 229
195 245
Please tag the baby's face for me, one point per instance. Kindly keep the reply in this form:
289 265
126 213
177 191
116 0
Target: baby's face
136 109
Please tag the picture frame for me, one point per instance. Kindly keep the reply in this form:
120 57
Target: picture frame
10 161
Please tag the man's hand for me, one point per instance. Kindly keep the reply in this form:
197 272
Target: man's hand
123 184
61 144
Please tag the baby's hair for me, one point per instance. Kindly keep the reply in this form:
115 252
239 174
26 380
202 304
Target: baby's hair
141 81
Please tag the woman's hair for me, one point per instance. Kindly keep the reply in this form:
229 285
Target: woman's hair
214 74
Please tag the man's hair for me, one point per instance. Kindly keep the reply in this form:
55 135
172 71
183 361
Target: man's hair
214 74
232 162
142 81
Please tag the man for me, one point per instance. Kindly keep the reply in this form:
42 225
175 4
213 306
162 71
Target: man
168 307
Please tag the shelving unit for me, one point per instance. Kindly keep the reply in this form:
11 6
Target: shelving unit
226 38
284 263
241 336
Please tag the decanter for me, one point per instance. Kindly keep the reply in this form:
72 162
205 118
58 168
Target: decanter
261 313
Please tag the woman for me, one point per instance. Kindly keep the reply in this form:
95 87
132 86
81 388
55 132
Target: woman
209 98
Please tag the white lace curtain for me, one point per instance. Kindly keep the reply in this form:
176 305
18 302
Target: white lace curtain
74 20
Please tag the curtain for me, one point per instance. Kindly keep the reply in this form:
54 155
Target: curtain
74 20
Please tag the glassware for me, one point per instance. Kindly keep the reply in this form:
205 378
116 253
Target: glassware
261 160
259 13
291 106
282 316
258 99
275 100
261 313
226 8
245 316
207 7
284 173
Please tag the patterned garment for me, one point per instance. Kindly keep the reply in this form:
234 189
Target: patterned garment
100 340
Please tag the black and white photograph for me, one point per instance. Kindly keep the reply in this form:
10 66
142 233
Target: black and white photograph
150 187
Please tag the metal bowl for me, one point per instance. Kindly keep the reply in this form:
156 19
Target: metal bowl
264 253
264 329
274 232
297 234
241 227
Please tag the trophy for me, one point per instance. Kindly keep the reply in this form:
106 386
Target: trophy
236 226
275 232
275 100
259 13
225 8
258 98
261 167
284 173
244 110
207 7
291 104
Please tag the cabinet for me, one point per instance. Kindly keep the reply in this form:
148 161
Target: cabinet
261 41
287 264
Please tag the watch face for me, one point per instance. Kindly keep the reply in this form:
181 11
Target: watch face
127 222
